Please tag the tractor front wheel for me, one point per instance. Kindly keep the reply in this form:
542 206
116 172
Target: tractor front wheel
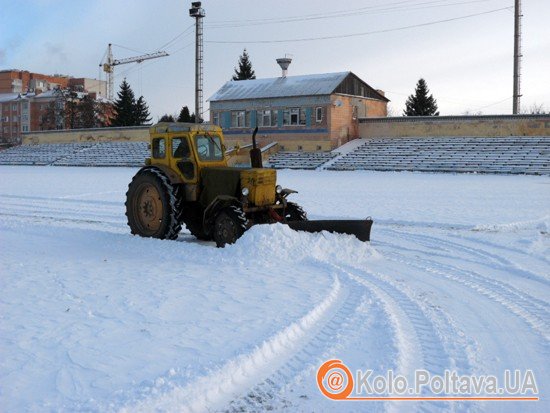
151 206
294 212
229 225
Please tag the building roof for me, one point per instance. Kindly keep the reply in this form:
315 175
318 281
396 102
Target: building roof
307 85
8 97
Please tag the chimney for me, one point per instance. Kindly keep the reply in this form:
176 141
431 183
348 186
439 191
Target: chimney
381 92
284 62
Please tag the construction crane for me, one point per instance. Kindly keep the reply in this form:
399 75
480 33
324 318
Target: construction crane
110 63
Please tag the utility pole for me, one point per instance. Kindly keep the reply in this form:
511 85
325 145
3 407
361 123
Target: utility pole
517 56
198 13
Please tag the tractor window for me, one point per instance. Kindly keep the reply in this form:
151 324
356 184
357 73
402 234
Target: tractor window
180 148
209 147
159 148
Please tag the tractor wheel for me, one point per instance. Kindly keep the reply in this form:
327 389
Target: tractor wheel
294 212
151 206
229 225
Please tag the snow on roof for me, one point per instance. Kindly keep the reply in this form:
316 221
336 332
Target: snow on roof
6 97
306 85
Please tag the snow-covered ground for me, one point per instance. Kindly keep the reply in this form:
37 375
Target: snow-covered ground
94 319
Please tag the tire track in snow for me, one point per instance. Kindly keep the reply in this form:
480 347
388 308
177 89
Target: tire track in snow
219 388
420 342
361 314
60 208
530 309
431 340
501 263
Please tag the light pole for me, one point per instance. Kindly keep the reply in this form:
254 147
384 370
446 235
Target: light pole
198 13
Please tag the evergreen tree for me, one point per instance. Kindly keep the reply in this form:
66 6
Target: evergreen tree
166 118
141 112
245 68
184 115
420 104
124 106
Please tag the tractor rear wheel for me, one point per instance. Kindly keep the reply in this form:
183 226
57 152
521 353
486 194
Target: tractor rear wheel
294 212
229 225
151 205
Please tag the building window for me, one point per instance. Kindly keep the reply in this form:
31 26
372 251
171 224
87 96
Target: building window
238 119
319 147
302 117
216 118
25 105
6 129
354 113
25 117
274 117
14 107
267 117
300 148
25 128
294 116
14 129
14 118
319 114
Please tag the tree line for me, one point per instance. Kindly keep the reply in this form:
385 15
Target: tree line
74 109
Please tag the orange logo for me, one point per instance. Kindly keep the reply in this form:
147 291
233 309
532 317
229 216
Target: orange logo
335 380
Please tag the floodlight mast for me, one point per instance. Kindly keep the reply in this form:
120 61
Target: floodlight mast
517 58
198 13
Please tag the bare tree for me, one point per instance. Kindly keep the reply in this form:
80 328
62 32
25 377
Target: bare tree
469 112
536 109
54 115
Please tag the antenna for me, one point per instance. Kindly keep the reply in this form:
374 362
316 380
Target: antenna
517 56
198 13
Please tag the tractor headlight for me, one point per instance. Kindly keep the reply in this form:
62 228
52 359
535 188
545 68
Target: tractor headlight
278 189
245 191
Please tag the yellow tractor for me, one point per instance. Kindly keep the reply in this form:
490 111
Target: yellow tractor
187 181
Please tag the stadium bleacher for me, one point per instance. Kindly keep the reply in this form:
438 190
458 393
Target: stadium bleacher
108 154
506 155
77 154
299 160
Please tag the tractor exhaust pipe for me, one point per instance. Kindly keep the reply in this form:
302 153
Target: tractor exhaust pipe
255 152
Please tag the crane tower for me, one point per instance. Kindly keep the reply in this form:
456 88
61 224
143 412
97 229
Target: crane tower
109 65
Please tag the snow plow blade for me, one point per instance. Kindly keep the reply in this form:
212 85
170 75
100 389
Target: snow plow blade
357 227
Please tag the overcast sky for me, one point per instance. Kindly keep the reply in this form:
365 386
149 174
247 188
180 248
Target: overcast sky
467 62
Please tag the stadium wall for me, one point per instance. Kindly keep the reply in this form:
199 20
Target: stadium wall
122 134
424 126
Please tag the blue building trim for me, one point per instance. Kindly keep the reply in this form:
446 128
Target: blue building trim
226 123
308 117
275 131
253 119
